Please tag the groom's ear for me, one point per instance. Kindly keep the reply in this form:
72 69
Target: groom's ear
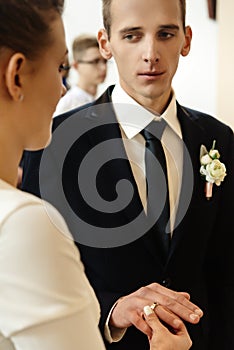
187 43
104 44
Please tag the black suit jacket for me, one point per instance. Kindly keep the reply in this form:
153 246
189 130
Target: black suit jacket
201 259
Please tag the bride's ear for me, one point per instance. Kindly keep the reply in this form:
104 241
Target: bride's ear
104 44
13 76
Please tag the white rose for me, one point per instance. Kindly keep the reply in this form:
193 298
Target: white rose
215 172
206 173
206 159
214 154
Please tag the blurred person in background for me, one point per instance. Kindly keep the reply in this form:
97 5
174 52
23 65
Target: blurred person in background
91 68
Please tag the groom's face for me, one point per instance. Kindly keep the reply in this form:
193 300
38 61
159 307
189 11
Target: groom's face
146 41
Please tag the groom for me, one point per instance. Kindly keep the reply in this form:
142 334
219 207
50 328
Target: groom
98 150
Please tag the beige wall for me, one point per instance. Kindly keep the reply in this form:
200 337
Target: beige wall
225 102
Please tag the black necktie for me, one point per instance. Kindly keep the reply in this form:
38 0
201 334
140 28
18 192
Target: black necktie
158 205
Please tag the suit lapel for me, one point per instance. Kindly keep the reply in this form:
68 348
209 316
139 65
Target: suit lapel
192 189
103 116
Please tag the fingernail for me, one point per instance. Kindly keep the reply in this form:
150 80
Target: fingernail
194 317
198 312
147 310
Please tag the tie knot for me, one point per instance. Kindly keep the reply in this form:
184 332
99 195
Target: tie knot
154 130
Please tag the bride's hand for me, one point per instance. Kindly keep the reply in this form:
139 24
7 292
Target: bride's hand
162 338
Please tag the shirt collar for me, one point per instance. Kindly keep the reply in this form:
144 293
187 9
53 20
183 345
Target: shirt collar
133 117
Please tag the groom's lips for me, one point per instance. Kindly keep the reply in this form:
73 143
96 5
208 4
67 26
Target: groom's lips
151 75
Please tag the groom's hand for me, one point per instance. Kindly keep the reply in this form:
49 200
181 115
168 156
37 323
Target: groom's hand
129 309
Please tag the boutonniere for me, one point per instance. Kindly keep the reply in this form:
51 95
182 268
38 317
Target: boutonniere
211 168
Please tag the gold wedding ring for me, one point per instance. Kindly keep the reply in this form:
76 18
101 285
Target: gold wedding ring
154 305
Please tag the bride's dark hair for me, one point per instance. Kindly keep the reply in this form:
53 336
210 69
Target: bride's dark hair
25 24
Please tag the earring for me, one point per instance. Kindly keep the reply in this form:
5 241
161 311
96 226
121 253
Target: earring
21 97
